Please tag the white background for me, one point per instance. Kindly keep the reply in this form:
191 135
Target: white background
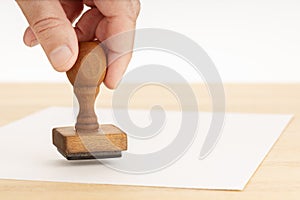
249 41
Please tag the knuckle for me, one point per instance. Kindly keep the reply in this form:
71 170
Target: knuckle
136 7
46 24
131 10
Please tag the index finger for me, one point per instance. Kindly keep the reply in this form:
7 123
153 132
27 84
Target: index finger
120 16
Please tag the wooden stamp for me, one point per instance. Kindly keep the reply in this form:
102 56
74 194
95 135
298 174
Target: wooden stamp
88 139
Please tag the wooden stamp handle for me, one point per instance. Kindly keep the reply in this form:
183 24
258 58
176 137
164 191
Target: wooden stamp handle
86 76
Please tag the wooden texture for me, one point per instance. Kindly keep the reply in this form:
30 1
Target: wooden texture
88 137
107 138
86 76
278 177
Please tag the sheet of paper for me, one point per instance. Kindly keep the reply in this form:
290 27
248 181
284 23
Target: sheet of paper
28 153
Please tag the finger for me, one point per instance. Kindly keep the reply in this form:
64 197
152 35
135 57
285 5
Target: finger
29 38
72 8
116 70
87 24
89 3
120 16
117 62
53 30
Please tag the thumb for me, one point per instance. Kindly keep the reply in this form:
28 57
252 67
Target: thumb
53 31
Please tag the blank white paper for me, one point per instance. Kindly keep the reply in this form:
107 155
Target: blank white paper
28 153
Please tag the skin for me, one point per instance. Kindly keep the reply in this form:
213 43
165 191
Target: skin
50 25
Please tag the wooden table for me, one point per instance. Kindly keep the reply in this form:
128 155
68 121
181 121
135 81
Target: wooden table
277 178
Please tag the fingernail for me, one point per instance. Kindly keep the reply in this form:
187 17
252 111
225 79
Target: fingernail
34 43
60 56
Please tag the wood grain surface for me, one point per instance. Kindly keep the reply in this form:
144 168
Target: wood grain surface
107 138
86 76
278 177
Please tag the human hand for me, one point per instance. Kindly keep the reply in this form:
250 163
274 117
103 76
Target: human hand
51 26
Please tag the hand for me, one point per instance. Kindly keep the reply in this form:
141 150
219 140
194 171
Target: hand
51 26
